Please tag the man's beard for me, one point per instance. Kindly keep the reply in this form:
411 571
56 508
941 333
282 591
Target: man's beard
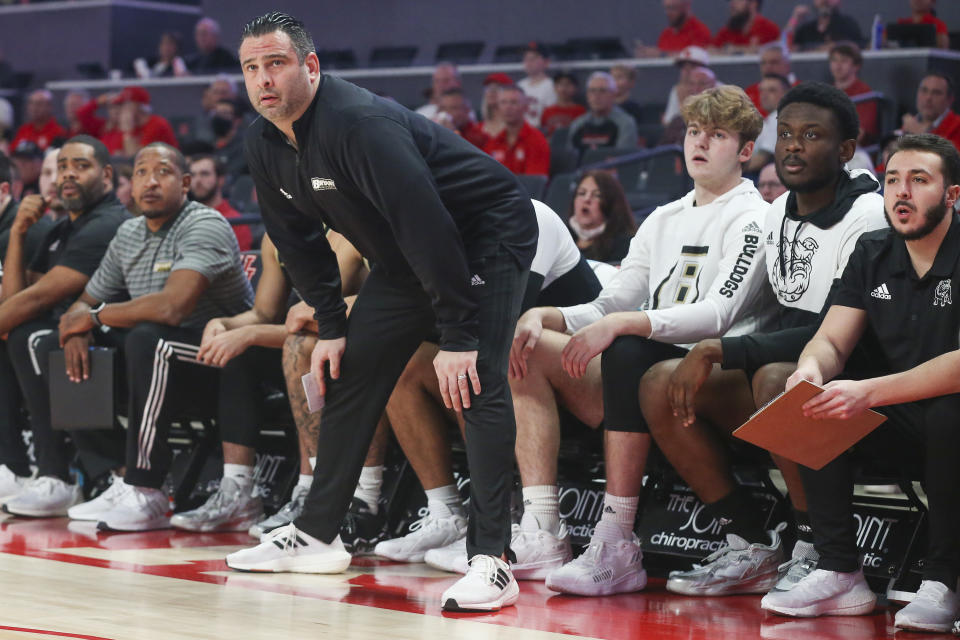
680 19
202 198
931 218
85 197
738 20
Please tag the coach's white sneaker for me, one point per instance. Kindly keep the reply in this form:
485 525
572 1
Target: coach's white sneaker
487 586
452 558
44 497
739 567
823 593
137 509
288 549
94 510
437 529
10 483
604 568
287 514
229 508
934 608
538 552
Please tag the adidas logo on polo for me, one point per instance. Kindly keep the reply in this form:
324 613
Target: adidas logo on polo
753 227
476 281
882 292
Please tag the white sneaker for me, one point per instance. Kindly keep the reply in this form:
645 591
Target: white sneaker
739 567
93 510
44 497
934 608
823 593
436 529
229 508
288 549
538 552
604 568
488 586
802 563
10 483
139 509
452 558
287 514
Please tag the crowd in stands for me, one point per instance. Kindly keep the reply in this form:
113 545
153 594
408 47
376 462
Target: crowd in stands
115 231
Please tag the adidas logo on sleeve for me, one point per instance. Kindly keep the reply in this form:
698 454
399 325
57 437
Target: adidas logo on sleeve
882 292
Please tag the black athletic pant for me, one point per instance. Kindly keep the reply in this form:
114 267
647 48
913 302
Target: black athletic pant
242 390
926 430
13 451
389 320
622 366
29 347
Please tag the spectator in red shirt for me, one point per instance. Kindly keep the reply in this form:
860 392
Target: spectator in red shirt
774 60
566 109
934 113
683 29
519 147
746 29
845 62
206 187
455 114
40 127
922 12
137 126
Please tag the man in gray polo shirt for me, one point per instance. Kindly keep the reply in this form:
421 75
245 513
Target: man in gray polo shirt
165 274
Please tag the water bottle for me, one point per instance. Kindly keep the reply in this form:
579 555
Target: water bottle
876 32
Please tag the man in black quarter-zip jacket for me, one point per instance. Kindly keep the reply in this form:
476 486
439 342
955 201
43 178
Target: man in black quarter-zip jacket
451 235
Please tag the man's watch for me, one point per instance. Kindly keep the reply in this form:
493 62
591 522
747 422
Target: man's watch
95 314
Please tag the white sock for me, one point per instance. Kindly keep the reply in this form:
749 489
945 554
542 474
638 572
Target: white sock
242 474
313 463
543 503
620 511
368 487
306 479
443 499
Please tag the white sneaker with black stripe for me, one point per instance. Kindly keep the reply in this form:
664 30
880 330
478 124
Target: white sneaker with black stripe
290 550
488 586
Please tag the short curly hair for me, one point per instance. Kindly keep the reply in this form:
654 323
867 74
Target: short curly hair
830 98
725 107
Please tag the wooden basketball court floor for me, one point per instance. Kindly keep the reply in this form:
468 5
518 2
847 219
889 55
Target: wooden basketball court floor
62 579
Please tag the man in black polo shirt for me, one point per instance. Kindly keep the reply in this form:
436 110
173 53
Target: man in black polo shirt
35 295
451 235
897 292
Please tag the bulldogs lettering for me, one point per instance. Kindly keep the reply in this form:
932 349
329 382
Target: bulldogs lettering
742 266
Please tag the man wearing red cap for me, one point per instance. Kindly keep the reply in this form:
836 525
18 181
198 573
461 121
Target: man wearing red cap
137 126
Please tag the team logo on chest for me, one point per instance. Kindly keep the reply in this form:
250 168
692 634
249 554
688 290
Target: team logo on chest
944 294
793 268
323 184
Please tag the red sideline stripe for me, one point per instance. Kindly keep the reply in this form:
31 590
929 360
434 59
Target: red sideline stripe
53 633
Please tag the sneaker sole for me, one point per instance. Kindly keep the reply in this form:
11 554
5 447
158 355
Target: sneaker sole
159 523
756 585
919 626
237 524
34 513
825 608
336 564
627 584
508 598
539 570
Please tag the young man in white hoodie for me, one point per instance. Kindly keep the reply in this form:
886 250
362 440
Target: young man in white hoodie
694 269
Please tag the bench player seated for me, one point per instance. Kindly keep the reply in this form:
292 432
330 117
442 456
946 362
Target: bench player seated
897 292
559 275
695 270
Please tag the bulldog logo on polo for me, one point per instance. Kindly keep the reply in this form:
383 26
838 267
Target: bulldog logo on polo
944 294
323 184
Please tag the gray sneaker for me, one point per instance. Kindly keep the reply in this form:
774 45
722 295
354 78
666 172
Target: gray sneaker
738 568
287 514
229 508
802 563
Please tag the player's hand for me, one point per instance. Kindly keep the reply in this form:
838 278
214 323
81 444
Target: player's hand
75 323
76 355
688 377
327 352
214 328
223 347
804 373
300 318
30 210
840 399
587 343
525 338
456 374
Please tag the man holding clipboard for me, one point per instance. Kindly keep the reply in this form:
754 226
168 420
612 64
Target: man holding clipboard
898 286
